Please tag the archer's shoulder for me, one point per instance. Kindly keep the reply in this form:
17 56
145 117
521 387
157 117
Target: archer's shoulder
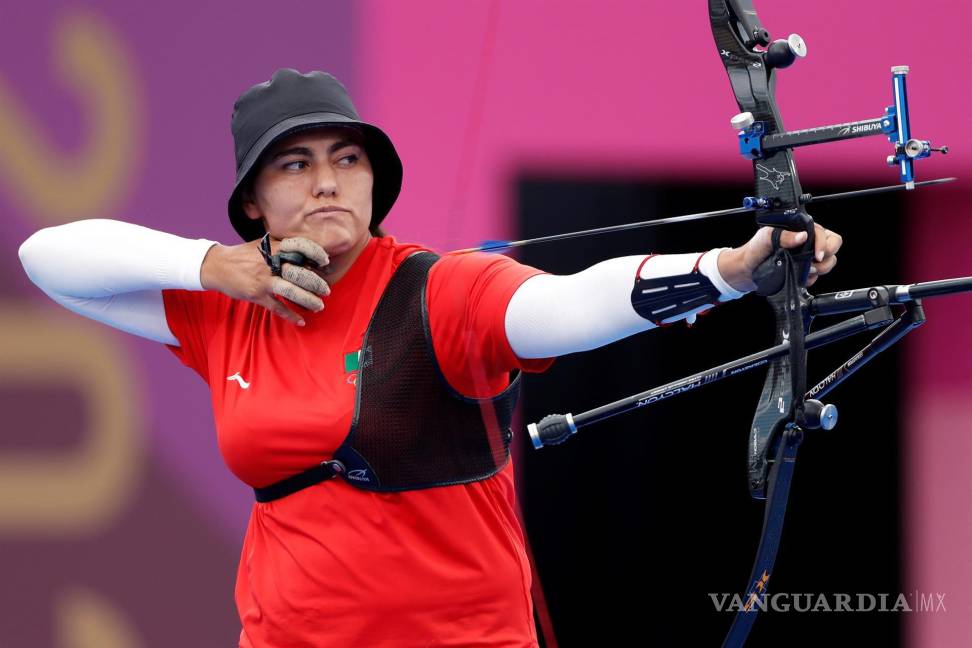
469 266
389 247
482 269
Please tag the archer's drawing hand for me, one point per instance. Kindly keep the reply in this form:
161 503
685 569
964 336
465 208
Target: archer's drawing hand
240 272
737 265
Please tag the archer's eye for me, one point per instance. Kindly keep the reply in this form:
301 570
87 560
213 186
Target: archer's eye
348 160
290 165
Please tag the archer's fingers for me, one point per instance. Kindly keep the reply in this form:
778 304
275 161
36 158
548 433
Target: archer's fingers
297 294
306 279
790 239
826 243
826 265
280 310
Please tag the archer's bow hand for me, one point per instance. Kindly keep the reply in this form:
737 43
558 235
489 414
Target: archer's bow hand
737 265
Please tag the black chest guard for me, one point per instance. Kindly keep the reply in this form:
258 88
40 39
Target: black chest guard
410 429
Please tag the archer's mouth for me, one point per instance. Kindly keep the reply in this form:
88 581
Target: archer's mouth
327 211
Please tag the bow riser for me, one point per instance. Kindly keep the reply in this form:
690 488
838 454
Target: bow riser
738 33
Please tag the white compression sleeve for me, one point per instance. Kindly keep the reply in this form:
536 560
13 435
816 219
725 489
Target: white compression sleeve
553 315
114 272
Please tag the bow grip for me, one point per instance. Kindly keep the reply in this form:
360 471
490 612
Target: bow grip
770 275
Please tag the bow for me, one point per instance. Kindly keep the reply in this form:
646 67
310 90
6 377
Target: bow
782 413
786 408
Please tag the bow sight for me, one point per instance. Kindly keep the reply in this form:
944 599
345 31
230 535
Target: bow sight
755 143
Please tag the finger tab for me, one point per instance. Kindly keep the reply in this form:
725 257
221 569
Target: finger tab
307 247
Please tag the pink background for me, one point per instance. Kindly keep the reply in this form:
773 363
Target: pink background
473 94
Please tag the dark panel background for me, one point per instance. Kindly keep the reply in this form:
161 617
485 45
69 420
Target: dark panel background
636 520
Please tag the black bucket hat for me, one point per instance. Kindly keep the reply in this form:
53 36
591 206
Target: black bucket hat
291 102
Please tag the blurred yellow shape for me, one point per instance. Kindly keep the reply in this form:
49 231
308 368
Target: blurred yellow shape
55 186
84 619
83 490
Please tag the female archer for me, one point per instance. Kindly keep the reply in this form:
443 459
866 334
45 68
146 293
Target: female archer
366 394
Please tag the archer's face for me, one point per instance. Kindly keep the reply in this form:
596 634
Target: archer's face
310 170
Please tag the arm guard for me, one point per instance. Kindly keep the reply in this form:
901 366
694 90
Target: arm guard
662 298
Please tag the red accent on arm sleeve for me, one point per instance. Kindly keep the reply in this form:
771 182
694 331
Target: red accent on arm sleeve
642 265
695 268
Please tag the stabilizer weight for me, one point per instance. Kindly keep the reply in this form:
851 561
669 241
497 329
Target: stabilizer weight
819 415
551 430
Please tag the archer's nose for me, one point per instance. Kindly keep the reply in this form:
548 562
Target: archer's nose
325 182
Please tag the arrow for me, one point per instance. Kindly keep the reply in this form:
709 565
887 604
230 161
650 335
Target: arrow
493 246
